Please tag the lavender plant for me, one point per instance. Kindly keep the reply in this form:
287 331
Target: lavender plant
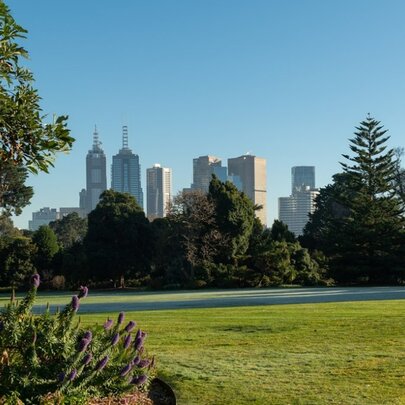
51 356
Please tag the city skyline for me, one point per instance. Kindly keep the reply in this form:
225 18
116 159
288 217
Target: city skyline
283 80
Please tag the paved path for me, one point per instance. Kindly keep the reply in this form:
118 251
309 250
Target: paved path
234 298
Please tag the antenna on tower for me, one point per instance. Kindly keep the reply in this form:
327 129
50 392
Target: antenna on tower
124 137
96 141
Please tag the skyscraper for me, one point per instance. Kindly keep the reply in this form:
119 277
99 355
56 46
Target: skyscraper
203 169
158 191
96 178
126 171
302 178
252 173
294 210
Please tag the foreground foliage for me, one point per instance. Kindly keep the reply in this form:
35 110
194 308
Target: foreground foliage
53 357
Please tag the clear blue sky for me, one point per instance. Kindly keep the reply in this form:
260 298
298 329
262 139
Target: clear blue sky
284 80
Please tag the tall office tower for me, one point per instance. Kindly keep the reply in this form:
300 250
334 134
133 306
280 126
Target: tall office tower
294 210
251 171
302 177
158 191
96 178
126 171
203 169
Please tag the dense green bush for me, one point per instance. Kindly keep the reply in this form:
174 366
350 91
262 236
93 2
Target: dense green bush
52 356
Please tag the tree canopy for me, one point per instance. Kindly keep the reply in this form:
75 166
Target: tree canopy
118 239
25 139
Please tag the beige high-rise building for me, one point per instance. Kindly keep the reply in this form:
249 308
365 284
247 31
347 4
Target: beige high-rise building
158 190
252 173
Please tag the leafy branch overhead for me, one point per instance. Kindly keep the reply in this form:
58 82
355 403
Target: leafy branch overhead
24 137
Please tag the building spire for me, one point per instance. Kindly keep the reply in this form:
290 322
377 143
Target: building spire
124 137
96 140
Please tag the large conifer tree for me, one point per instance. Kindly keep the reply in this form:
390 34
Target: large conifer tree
368 235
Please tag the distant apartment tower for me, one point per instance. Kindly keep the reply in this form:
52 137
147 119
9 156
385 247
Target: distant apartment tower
302 178
42 217
251 171
96 178
294 210
158 191
126 171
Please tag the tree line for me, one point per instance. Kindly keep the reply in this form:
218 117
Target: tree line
211 240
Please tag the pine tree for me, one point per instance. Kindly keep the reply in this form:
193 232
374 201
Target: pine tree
373 229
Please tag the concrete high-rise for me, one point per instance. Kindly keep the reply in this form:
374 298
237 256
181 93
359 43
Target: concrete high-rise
203 169
302 178
158 191
294 210
96 178
251 171
126 171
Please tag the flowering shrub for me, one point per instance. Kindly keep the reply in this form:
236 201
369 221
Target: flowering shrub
51 359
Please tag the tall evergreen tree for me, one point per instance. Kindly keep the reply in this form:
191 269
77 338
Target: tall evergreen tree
361 219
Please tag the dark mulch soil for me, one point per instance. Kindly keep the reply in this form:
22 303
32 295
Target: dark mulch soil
159 393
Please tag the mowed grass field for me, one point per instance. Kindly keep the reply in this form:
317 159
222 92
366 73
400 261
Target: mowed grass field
334 353
344 353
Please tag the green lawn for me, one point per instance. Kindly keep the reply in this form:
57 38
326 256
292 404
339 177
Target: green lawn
344 353
336 353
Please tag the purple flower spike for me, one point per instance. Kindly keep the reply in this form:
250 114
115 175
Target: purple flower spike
136 360
138 334
102 363
87 359
88 335
107 324
121 317
115 339
138 343
131 325
83 291
144 363
83 345
61 377
127 341
125 370
75 303
35 280
140 380
72 375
